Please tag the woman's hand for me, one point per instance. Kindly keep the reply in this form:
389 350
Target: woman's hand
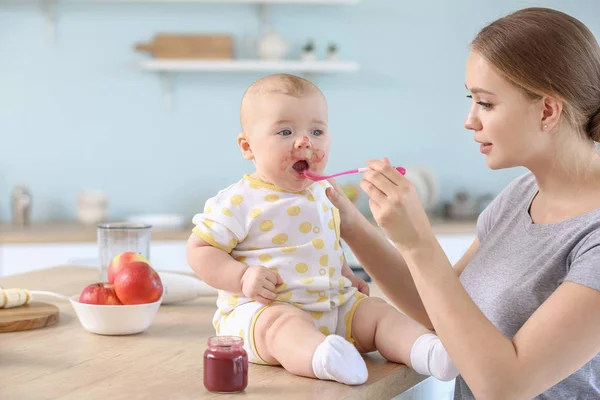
395 205
349 214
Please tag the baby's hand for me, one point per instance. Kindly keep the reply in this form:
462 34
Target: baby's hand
360 284
258 283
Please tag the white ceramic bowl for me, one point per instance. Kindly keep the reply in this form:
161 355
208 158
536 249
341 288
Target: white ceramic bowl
115 320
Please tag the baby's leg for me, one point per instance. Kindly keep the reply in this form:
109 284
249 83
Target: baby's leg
379 326
287 335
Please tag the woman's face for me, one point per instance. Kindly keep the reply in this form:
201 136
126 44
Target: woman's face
507 125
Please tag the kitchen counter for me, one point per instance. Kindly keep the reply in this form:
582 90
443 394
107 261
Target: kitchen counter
165 362
73 232
65 232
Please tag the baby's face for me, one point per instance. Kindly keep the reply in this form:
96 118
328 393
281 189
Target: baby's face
286 136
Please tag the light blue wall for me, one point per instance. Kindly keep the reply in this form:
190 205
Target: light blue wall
80 114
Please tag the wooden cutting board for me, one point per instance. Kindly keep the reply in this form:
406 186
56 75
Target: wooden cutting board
188 46
32 316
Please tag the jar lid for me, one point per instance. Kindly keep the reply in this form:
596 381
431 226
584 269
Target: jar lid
123 226
225 341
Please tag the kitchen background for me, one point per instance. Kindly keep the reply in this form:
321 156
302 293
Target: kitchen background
77 111
79 114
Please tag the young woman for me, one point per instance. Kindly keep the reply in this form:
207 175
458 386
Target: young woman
519 314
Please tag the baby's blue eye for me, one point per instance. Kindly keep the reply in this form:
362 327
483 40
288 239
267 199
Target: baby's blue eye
285 132
317 132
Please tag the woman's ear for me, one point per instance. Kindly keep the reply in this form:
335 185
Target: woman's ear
551 112
244 145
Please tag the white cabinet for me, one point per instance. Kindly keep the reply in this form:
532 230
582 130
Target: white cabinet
165 255
20 258
454 246
169 256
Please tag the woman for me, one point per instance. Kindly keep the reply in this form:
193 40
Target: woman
519 313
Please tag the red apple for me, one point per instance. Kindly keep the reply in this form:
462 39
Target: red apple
99 293
121 260
138 283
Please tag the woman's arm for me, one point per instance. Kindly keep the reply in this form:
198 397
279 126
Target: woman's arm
558 339
382 261
385 265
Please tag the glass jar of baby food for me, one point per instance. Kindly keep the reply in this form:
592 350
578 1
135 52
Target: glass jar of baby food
225 365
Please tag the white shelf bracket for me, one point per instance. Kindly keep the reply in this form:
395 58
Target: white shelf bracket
49 10
167 89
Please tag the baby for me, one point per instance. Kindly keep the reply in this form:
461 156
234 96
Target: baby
271 244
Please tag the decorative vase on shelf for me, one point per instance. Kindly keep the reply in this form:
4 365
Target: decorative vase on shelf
91 207
272 46
308 52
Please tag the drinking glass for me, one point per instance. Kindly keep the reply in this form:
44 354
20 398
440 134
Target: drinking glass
117 237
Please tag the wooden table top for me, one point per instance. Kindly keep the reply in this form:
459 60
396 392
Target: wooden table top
64 361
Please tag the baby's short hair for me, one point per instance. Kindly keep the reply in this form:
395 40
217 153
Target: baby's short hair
286 84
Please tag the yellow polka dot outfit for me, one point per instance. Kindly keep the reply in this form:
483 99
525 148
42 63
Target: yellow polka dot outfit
295 234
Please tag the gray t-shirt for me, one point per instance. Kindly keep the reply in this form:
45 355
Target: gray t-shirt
519 264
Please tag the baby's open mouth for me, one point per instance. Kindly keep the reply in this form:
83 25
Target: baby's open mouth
300 166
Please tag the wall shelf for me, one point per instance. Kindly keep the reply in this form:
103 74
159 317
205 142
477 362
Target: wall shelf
249 66
167 67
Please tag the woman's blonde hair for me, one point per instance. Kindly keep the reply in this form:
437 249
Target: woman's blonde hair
547 52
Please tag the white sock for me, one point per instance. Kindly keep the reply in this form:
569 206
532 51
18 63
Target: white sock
336 359
429 357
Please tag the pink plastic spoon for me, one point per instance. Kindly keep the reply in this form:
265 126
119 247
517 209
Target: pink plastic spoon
317 177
